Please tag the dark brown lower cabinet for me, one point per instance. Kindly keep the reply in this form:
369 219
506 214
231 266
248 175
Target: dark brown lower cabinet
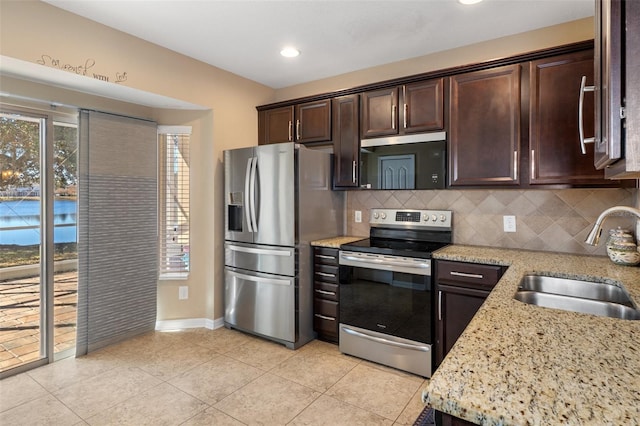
461 288
326 274
443 419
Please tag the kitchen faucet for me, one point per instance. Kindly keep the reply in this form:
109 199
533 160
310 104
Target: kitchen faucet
594 235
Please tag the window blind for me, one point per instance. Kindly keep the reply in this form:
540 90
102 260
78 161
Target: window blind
117 229
174 244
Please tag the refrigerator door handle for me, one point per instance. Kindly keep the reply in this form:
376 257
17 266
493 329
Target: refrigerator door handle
259 279
247 203
259 250
252 192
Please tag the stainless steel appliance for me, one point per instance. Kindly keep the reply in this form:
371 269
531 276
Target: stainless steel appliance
416 161
386 296
278 198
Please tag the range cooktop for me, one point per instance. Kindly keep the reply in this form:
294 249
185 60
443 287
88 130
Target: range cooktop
409 233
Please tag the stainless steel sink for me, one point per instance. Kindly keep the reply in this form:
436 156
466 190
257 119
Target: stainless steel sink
574 295
576 288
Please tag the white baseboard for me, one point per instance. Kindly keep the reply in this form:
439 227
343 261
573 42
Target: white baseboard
181 324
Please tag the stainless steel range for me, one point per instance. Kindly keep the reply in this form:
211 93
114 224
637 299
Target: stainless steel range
386 293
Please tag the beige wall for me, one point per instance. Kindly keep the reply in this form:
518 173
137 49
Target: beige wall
31 29
556 35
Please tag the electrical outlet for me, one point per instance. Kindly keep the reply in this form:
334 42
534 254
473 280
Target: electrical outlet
358 216
509 223
183 292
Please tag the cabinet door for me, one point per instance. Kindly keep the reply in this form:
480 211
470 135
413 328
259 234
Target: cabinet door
423 106
313 121
456 308
554 140
443 419
275 125
346 141
608 81
380 113
485 127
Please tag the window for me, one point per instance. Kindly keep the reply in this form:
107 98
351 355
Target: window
173 213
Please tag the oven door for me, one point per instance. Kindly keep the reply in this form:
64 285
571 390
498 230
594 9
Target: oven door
387 294
386 307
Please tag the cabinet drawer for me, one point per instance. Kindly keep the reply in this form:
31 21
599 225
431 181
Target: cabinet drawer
325 308
468 273
326 326
325 256
326 291
325 318
325 273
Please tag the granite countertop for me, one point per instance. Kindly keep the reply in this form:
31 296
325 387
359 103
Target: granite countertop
336 242
521 364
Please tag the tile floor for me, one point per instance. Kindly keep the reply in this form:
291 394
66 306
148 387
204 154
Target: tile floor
211 377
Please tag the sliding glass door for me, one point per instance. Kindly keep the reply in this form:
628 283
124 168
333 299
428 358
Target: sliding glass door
38 278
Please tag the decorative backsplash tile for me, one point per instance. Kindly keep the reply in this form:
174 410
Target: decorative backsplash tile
550 220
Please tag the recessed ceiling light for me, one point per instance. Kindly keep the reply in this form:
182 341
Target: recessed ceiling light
289 52
469 1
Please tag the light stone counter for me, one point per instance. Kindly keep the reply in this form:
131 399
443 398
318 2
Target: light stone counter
527 365
336 242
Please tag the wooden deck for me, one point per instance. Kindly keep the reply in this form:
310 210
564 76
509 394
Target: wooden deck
20 318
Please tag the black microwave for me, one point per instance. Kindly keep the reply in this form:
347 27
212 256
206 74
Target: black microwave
404 162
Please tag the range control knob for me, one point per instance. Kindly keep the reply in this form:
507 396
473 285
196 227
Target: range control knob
434 217
383 215
442 218
375 215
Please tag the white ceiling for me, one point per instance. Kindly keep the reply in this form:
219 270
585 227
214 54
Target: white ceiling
335 37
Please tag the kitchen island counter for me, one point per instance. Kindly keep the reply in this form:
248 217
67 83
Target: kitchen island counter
522 364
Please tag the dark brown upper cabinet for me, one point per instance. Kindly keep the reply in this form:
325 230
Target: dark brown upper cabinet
346 141
303 123
555 156
380 113
410 108
608 81
423 106
313 121
275 125
617 84
484 130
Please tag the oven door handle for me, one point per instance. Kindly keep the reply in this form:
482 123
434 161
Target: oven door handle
377 261
385 341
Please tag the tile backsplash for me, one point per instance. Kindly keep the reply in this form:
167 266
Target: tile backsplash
549 220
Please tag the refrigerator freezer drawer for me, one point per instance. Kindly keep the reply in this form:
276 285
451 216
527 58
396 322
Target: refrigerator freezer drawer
267 259
260 303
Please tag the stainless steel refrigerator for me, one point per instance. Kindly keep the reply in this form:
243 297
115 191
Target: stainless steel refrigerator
278 199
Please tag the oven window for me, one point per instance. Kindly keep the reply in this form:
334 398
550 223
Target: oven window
393 303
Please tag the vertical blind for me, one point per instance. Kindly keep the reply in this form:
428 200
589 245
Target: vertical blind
117 229
174 202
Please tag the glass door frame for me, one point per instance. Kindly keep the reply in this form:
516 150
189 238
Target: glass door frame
47 290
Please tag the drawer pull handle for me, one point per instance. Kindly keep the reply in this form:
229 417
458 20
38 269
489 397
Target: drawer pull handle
328 293
324 274
324 317
324 256
583 140
466 275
